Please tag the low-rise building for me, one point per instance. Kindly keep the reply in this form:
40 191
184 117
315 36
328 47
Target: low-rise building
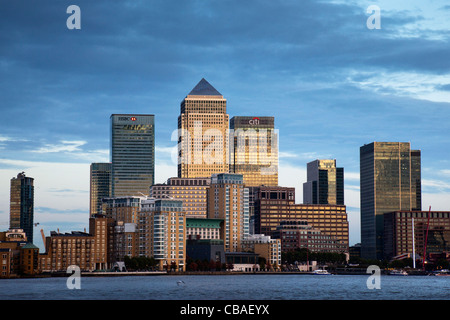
295 234
399 231
11 242
265 247
198 228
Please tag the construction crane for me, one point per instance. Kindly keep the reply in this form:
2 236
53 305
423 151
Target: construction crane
43 238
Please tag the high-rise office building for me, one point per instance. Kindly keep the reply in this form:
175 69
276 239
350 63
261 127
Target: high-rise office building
390 179
254 150
228 200
100 186
22 204
203 133
325 183
132 154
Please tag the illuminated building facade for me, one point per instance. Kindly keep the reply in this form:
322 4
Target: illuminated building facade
203 133
254 150
100 186
192 191
325 183
22 204
276 204
228 201
162 232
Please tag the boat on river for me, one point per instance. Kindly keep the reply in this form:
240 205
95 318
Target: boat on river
321 272
398 273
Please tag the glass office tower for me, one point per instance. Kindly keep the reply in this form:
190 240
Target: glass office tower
390 180
254 150
203 133
132 154
324 184
100 186
22 204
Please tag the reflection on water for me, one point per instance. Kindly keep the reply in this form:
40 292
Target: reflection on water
229 287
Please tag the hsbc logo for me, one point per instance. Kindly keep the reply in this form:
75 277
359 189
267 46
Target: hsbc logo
254 121
127 118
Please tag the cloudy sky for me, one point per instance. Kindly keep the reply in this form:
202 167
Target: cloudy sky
331 83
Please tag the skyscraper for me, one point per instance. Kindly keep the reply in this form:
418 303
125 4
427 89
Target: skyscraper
254 150
132 154
203 133
22 204
390 179
325 183
100 186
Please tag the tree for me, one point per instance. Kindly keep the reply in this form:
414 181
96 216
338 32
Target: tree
192 266
212 265
442 263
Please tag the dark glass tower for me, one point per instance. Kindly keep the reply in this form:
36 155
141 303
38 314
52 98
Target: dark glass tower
390 179
324 184
100 186
22 204
132 154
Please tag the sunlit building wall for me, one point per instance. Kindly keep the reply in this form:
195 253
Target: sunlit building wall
254 150
228 201
22 205
325 183
192 191
100 186
203 133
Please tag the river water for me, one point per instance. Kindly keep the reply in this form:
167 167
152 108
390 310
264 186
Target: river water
228 287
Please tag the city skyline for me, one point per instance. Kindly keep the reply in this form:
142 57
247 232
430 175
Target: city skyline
327 99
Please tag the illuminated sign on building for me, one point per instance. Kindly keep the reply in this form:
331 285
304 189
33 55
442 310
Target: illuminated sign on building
127 118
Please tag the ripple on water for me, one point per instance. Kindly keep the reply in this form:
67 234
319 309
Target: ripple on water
235 287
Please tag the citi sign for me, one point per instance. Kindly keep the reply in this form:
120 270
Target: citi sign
254 121
127 118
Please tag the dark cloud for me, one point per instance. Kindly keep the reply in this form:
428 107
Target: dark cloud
290 56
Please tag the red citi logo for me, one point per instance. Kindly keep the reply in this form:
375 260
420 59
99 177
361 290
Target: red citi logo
254 121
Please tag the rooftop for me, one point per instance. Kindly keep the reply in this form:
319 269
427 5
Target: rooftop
204 88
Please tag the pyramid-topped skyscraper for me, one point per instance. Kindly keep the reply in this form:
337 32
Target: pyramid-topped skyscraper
203 133
204 88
